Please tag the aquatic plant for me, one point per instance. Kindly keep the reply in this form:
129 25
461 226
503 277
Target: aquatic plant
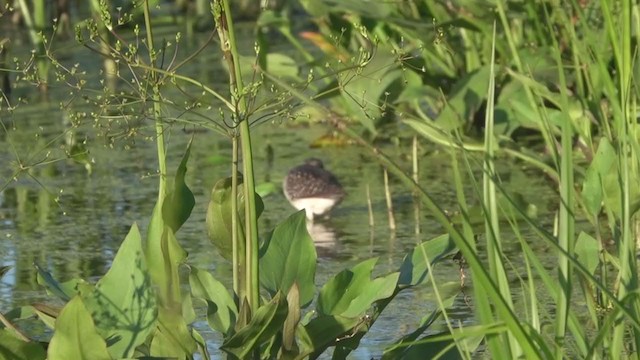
483 79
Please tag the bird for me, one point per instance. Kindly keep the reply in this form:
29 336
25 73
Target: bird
313 188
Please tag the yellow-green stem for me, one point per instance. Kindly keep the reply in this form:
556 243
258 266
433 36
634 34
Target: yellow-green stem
224 25
157 111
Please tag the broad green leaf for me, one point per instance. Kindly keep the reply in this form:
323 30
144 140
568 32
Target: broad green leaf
323 331
123 303
172 338
221 309
467 96
414 268
177 207
16 349
219 215
265 323
352 292
75 336
290 257
587 251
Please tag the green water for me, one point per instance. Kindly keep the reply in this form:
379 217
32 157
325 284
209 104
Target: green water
70 222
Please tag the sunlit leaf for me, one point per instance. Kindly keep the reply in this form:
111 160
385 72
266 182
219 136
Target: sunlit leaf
291 323
75 336
16 349
587 251
267 320
122 303
221 309
414 268
352 292
172 337
290 257
202 344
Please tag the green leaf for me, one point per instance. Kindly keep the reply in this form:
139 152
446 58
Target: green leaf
219 215
414 268
172 337
592 187
178 204
323 331
290 257
289 344
202 344
75 336
352 292
221 309
266 322
587 251
15 349
123 303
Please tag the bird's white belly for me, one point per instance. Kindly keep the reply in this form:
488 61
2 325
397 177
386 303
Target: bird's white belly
314 206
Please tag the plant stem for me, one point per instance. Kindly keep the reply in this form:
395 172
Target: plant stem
224 25
157 111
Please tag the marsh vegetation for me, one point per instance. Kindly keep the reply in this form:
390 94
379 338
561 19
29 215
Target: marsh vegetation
489 150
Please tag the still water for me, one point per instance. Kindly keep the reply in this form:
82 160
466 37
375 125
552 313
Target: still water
70 222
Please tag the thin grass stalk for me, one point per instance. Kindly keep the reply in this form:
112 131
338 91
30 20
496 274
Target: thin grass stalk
490 206
157 110
566 219
236 254
224 25
416 179
370 208
387 196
